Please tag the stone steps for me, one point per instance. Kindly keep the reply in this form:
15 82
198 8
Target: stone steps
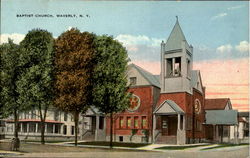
166 140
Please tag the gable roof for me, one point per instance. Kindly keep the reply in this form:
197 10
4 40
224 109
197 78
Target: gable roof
216 104
164 108
152 79
175 38
92 111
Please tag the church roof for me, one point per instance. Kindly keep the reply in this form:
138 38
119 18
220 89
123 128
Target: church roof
175 38
216 104
194 77
152 79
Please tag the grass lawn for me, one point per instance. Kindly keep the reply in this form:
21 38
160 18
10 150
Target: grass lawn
38 148
179 147
116 144
224 146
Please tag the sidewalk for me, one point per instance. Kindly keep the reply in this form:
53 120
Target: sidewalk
9 153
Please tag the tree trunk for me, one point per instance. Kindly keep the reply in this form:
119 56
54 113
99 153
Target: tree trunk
76 115
16 124
111 130
42 131
42 123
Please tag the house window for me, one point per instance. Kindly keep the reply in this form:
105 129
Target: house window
64 129
39 127
25 127
121 123
136 122
65 116
57 128
144 122
101 122
128 122
21 116
56 115
132 81
32 127
33 114
121 138
26 115
72 130
49 128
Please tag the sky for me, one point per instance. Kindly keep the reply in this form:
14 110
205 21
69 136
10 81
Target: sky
218 31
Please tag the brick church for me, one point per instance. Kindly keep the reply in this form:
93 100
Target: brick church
168 107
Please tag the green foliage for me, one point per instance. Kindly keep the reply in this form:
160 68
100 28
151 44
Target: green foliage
36 60
109 80
134 131
145 132
10 72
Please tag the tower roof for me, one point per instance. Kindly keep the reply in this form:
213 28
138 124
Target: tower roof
175 38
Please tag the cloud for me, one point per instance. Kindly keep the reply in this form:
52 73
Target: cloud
138 40
69 28
17 38
243 46
141 47
219 16
224 48
235 7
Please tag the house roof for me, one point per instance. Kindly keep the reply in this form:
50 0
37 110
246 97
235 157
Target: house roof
244 114
221 117
175 38
152 79
216 104
168 107
92 111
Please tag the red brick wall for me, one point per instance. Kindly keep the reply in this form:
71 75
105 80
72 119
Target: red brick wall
201 116
178 98
186 102
145 93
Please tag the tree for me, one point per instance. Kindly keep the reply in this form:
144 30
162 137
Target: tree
109 81
35 85
74 66
10 72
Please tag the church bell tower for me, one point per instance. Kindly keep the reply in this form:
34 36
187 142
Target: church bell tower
176 62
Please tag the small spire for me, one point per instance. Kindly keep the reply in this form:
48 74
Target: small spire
176 18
